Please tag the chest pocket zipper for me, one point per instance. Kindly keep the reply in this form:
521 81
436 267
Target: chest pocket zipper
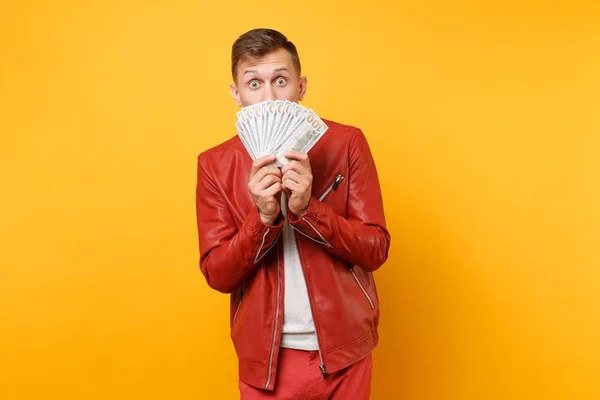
338 179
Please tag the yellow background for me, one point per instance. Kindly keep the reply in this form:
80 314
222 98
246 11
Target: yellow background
483 119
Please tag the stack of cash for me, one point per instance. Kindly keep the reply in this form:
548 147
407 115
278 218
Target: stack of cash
274 127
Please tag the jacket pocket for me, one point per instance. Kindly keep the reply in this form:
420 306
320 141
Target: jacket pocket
334 185
239 303
360 285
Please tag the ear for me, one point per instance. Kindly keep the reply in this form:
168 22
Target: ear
235 94
303 84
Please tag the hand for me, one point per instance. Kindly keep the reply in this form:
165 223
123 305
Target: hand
297 182
265 186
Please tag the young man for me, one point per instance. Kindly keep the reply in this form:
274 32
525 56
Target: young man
294 246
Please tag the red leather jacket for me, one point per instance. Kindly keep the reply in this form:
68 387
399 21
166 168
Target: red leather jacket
341 239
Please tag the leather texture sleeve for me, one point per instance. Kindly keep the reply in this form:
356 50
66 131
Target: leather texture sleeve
228 254
362 238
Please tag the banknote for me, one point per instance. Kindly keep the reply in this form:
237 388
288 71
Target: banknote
302 138
274 127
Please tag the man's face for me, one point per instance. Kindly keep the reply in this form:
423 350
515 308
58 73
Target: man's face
272 77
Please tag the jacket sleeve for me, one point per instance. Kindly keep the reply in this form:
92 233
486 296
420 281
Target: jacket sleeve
361 239
228 254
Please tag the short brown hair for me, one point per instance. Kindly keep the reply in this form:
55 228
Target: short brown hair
258 43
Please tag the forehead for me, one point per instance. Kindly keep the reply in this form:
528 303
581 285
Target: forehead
277 59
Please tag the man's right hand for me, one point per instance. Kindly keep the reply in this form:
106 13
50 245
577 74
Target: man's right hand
265 186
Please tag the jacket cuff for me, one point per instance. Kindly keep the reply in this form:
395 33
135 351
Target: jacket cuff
265 235
310 223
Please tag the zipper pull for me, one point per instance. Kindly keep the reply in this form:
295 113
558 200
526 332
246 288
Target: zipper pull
338 180
323 371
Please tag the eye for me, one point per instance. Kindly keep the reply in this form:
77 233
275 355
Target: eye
280 81
253 84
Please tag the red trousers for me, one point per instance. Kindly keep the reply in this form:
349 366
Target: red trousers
299 377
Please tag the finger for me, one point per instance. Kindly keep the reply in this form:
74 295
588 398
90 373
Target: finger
271 191
266 182
289 166
291 185
293 175
300 157
261 162
273 171
296 166
296 155
264 171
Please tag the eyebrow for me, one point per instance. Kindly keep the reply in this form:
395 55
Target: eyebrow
254 71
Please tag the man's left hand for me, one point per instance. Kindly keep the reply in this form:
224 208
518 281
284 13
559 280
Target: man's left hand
297 182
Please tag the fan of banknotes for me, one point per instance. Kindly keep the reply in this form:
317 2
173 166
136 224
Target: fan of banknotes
274 127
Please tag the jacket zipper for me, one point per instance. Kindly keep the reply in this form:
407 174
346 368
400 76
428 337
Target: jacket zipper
338 179
276 319
322 366
240 302
361 287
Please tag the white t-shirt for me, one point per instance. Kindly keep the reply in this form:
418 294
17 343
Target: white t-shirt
298 326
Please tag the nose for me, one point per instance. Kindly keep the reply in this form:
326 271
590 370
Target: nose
269 93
